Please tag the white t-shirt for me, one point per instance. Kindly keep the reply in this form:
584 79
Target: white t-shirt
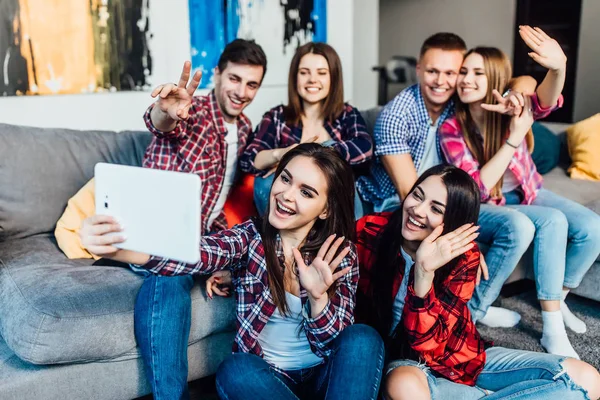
230 167
283 343
398 306
510 182
431 157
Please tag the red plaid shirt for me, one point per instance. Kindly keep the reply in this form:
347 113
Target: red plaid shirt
457 152
439 326
197 145
241 250
348 131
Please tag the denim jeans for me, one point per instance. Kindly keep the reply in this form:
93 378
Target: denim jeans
507 374
353 371
566 242
262 190
508 234
162 319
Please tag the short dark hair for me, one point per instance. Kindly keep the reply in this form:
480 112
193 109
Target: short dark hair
241 51
443 41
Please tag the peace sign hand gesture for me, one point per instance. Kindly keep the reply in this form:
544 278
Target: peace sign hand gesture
318 276
546 51
175 100
436 251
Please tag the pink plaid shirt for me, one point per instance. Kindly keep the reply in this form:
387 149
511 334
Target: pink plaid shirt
457 152
240 249
197 145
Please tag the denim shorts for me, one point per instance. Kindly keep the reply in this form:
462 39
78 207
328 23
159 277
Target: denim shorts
440 388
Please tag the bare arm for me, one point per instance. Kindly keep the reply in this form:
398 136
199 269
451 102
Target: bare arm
494 169
402 172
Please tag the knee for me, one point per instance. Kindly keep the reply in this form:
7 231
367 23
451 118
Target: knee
520 229
231 373
362 338
584 375
555 220
406 383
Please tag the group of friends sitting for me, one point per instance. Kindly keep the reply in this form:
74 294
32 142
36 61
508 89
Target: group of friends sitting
362 278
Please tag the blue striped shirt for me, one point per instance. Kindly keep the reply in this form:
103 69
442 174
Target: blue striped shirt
401 128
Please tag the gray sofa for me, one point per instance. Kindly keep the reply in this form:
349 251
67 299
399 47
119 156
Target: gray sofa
66 326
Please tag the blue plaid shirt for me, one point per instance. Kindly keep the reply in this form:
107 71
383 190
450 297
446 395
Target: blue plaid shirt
401 128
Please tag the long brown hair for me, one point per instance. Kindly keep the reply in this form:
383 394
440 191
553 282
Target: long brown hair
498 71
339 220
333 104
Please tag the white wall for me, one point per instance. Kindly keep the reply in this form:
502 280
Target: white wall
366 53
587 80
170 47
404 24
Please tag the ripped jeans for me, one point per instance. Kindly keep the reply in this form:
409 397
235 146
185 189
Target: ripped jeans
507 374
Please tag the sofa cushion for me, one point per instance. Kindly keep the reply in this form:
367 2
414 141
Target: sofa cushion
41 168
583 139
583 192
546 151
54 310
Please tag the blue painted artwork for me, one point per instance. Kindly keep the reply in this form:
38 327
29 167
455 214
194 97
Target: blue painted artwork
279 26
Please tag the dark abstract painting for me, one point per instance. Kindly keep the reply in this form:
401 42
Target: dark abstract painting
73 46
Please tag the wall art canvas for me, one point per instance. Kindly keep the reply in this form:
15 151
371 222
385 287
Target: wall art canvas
279 26
74 46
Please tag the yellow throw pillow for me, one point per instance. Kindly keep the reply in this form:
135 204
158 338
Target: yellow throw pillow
583 139
79 207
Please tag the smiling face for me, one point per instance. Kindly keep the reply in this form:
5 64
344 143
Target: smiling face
314 79
298 196
437 71
423 209
235 88
472 81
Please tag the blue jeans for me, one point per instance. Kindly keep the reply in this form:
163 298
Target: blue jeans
162 319
508 234
508 374
352 372
262 190
566 242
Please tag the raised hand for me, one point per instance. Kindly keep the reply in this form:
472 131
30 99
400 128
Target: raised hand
176 99
319 275
520 124
436 251
95 238
219 283
511 104
546 51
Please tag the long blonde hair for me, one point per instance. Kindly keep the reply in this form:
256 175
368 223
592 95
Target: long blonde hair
498 71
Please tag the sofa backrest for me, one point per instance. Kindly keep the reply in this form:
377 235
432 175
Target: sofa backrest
41 168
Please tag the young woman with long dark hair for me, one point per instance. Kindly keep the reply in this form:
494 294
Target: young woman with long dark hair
295 286
418 268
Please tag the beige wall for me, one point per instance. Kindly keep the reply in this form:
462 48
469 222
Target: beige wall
404 24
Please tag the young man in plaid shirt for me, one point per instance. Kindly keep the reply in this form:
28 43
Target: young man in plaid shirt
203 135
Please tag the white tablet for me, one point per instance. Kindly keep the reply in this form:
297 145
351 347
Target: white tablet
159 210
